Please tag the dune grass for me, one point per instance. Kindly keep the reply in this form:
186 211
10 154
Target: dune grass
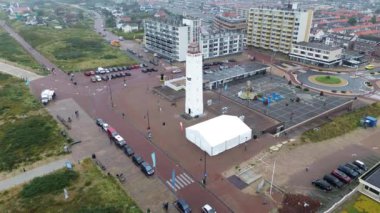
88 188
27 132
341 125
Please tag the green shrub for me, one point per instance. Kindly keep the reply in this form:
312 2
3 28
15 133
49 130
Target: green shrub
109 57
306 89
49 183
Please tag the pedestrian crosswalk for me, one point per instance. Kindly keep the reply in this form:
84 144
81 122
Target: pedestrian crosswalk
181 181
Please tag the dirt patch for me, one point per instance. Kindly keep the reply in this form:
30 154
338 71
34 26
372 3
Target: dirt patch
298 203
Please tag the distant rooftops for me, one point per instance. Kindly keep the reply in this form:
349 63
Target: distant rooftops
320 46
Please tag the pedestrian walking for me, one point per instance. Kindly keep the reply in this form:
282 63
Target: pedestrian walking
123 114
69 119
307 169
23 169
77 113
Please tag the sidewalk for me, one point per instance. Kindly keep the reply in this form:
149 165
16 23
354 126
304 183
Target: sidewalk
29 175
18 72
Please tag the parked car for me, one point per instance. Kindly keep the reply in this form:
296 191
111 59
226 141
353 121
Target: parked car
322 184
111 132
351 173
137 160
100 122
120 142
125 67
370 67
113 76
123 74
182 206
98 78
341 176
93 79
107 70
333 180
144 70
128 150
360 164
89 73
128 74
208 209
355 168
105 78
147 169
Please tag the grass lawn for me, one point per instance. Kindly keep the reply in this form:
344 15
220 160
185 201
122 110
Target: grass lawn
11 51
88 188
130 36
27 132
74 48
328 79
360 204
341 124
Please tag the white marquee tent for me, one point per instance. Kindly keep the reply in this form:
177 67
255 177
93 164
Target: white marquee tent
219 134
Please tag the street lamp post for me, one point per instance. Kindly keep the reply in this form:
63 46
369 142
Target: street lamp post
205 169
147 116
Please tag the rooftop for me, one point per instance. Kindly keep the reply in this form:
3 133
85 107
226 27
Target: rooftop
318 46
232 72
373 176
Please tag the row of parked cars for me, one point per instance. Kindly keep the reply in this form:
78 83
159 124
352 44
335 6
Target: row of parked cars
344 174
184 207
145 167
98 78
146 70
102 70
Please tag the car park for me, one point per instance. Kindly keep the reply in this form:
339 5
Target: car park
208 209
355 168
360 164
147 169
333 180
349 172
137 160
128 150
322 184
98 78
341 176
182 206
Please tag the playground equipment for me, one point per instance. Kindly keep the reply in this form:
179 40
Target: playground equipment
274 97
368 121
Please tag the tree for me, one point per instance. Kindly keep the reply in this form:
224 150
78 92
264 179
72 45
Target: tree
373 19
352 21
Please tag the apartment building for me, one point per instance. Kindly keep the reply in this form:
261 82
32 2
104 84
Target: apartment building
170 37
216 44
317 54
369 183
278 28
230 22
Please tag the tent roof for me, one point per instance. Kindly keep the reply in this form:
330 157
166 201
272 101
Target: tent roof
220 129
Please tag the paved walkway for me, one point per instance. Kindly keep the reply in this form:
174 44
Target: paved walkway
29 175
18 72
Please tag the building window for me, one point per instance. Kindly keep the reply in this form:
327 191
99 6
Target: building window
374 191
303 52
325 57
317 56
310 54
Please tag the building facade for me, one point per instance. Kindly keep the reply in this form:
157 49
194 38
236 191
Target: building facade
278 29
221 44
170 37
316 54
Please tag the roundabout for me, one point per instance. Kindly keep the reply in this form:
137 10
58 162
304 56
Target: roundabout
328 80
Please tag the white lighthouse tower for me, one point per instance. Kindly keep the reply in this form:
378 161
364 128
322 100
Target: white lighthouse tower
194 81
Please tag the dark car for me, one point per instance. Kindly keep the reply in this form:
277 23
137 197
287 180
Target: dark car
100 122
137 160
154 70
360 164
128 150
128 74
118 75
341 176
125 67
322 184
182 206
351 173
89 73
120 68
144 70
355 168
123 74
333 180
105 77
113 76
147 169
